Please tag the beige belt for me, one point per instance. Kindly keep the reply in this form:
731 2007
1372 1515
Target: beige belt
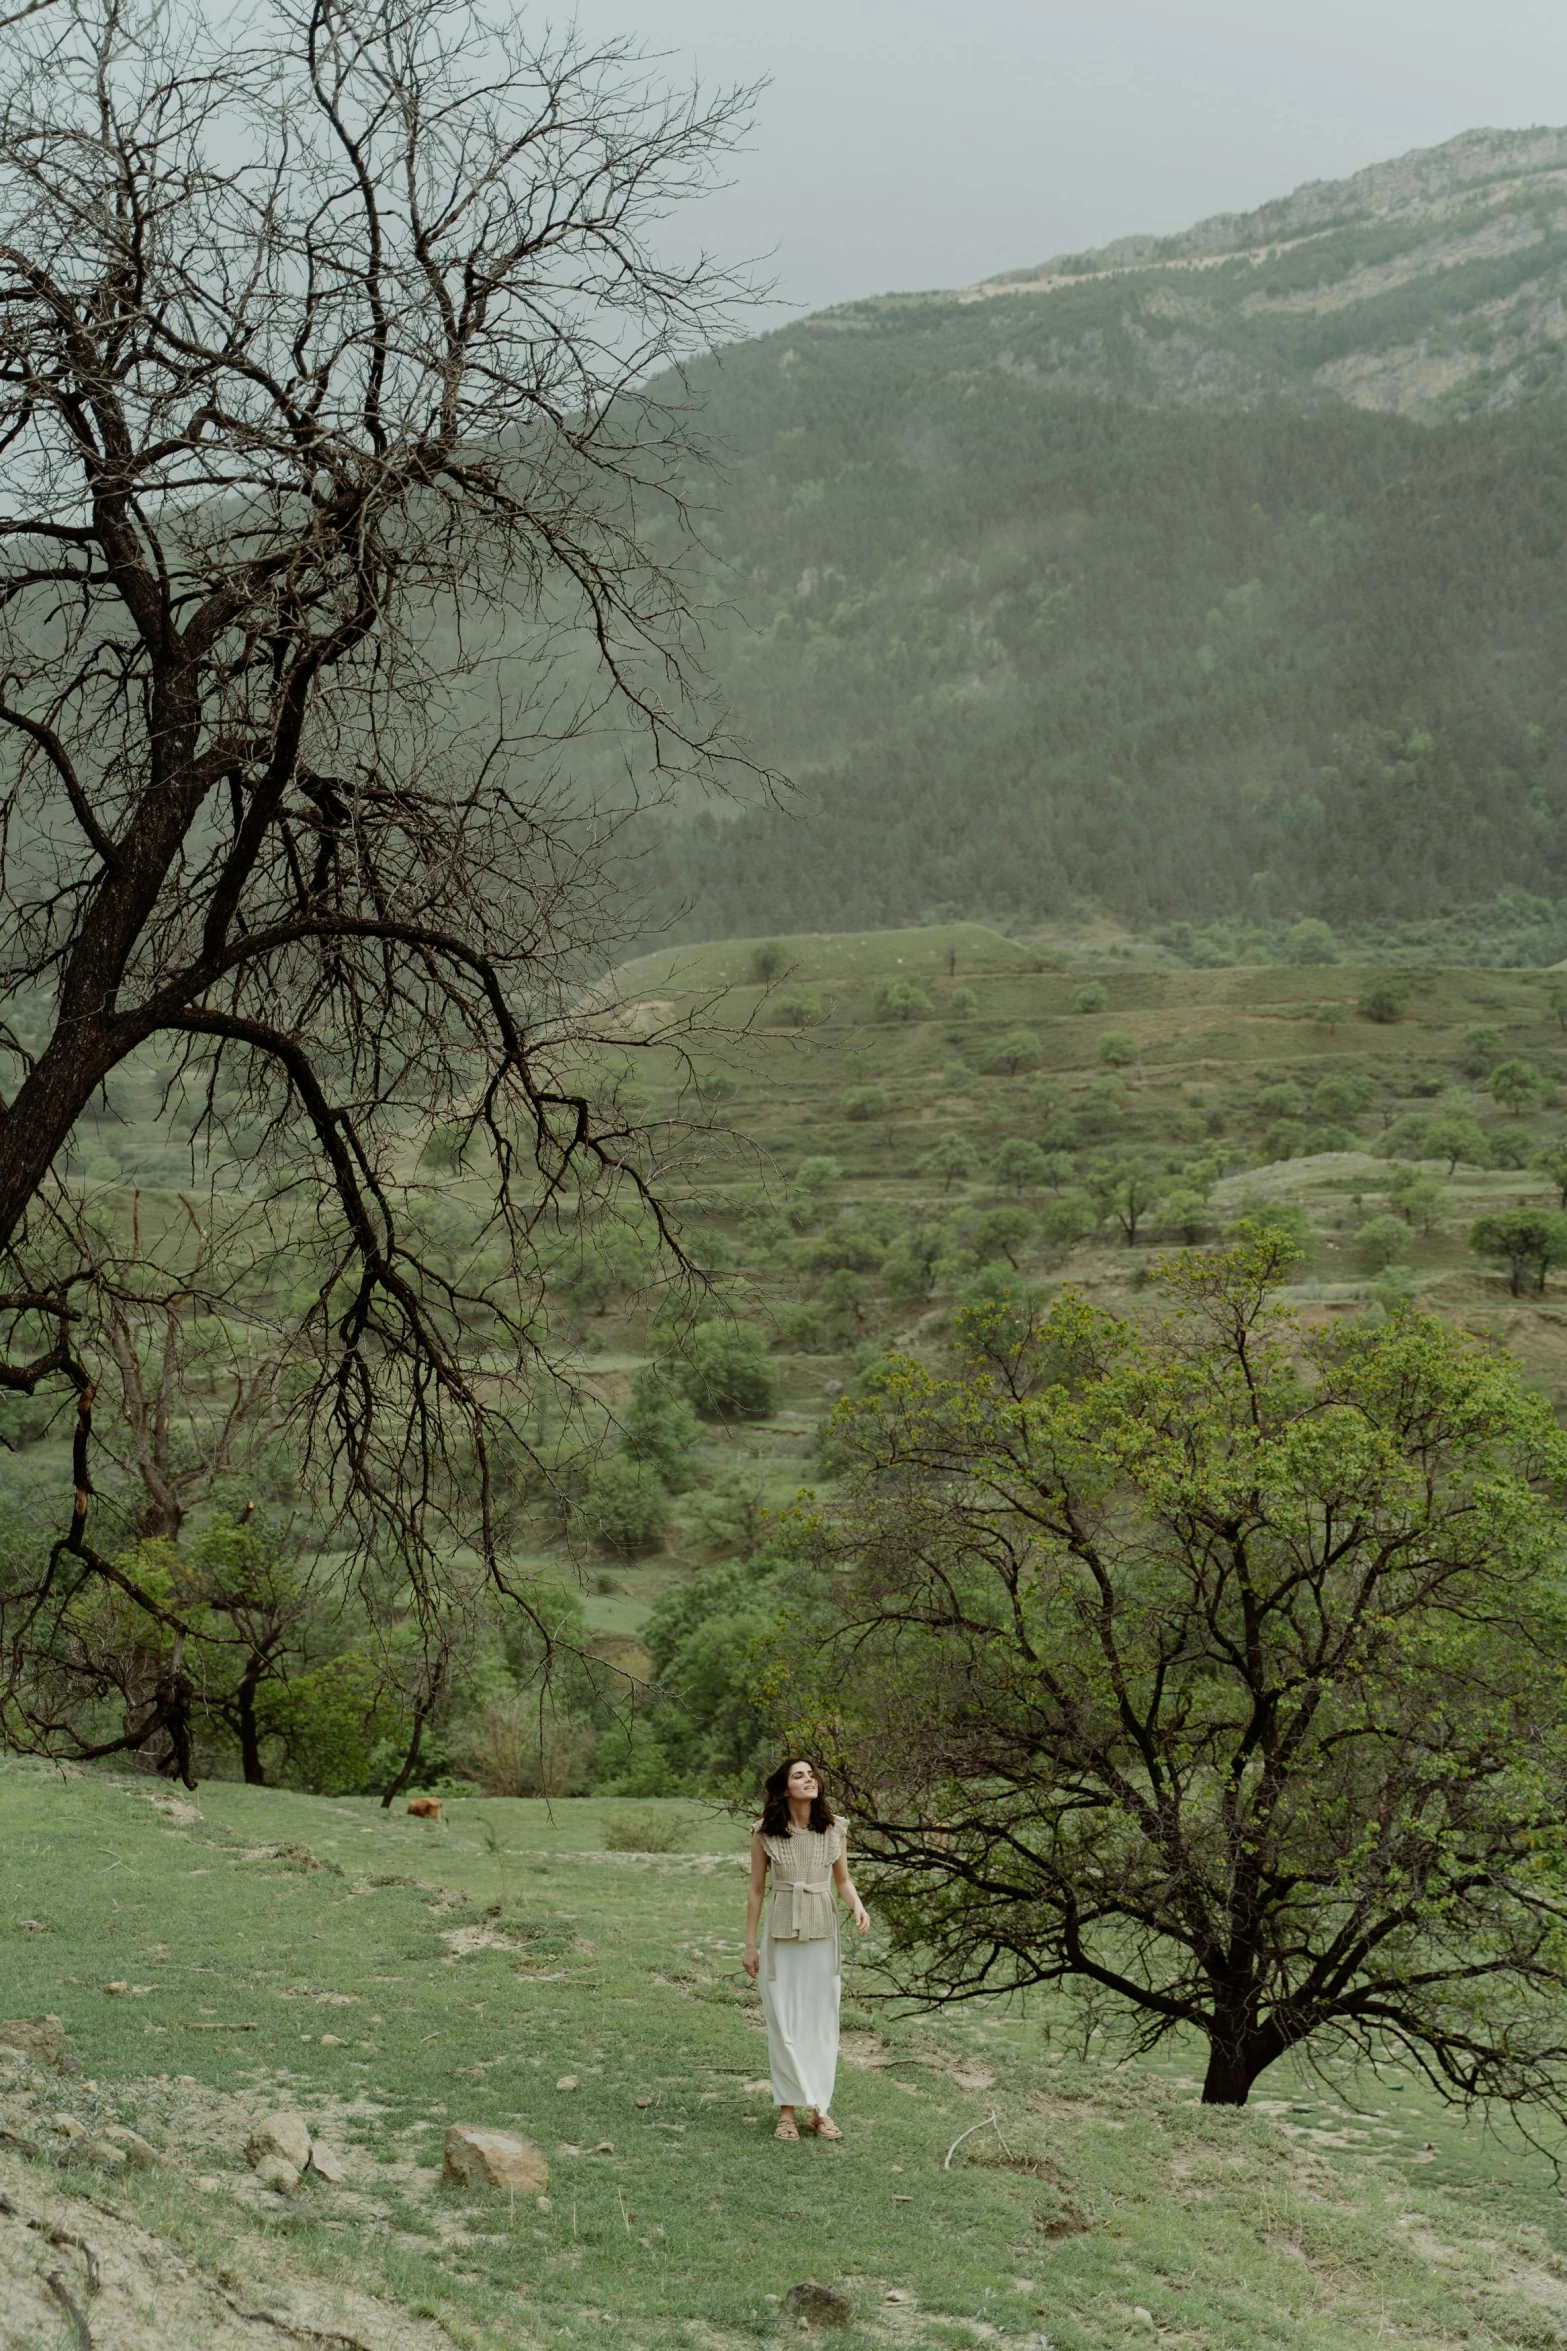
794 1931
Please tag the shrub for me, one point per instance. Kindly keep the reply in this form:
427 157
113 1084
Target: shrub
961 1003
1341 1095
1515 1085
796 1008
1069 1219
514 1746
1002 1232
768 962
861 1102
660 1428
1384 1000
1090 997
953 1160
644 1832
1525 1241
727 1372
1285 1139
330 1720
815 1174
1284 1100
1117 1049
903 1000
1310 942
626 1506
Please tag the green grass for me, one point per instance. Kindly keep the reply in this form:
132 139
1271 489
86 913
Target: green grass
1099 2191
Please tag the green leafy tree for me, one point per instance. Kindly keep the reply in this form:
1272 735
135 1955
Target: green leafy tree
1117 1049
1058 1130
1341 1095
1124 1188
902 999
1187 1214
794 1008
1002 1232
1310 942
1090 997
1384 1000
1420 1200
1071 1218
1282 1100
1209 1670
1013 1050
1381 1242
1527 1241
1517 1085
1284 1139
1019 1165
1556 998
1456 1137
961 1003
952 1160
625 1508
330 1721
727 1373
817 1174
1552 1164
769 962
863 1102
661 1428
1482 1043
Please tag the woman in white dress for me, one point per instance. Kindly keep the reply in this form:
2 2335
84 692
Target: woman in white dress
800 1842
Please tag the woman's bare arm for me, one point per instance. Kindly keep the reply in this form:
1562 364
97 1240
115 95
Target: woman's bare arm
750 1958
846 1887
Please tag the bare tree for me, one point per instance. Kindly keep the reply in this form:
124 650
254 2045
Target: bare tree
329 366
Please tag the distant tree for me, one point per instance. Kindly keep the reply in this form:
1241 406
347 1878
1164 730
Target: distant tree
1518 1085
727 1373
1060 1168
1071 1218
1019 1166
1058 1129
794 1008
1002 1232
625 1508
1117 1049
1556 998
1481 1044
1209 1670
660 1427
1013 1050
1090 997
901 999
818 1173
1187 1213
953 1160
1420 1200
1102 1103
961 1003
1125 1188
1284 1139
1511 1145
1329 1014
1384 1000
1381 1242
769 962
1280 1100
1527 1241
1341 1094
862 1102
1552 1164
1310 942
910 1267
1456 1137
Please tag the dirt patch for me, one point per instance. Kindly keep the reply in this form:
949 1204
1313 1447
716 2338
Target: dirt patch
138 2294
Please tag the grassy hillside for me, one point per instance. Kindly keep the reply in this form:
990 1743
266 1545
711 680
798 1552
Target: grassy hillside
385 1979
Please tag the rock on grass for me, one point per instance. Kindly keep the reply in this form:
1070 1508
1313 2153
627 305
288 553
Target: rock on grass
495 2159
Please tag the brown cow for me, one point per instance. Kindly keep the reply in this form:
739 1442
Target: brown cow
425 1807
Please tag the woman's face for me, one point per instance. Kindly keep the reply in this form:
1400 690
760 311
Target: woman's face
804 1786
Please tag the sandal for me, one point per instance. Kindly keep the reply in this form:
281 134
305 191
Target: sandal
786 2130
824 2127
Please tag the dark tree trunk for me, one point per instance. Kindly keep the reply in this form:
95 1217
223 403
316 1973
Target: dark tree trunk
410 1762
1237 2053
249 1730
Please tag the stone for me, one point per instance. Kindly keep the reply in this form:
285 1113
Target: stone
328 2164
272 2172
818 2306
68 2126
333 2041
644 2101
568 2081
283 2135
478 2158
117 1987
136 2149
544 2203
107 2157
42 2038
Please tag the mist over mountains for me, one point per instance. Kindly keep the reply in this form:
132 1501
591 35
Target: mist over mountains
1213 575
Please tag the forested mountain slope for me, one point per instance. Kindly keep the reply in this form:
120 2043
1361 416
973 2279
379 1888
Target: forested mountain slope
1184 644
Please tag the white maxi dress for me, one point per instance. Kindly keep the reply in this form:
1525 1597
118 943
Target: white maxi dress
800 1974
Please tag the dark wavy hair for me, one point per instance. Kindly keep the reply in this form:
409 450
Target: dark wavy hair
775 1800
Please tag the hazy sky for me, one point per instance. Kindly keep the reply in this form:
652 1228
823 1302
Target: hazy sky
909 143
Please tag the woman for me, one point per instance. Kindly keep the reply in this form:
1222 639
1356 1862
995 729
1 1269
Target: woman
801 1840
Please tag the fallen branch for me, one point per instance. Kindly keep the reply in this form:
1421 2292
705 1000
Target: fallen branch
992 2117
